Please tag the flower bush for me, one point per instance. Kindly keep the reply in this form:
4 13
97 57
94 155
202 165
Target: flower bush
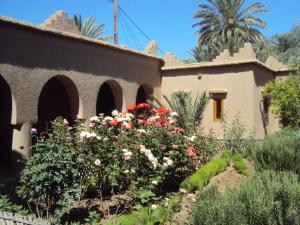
142 149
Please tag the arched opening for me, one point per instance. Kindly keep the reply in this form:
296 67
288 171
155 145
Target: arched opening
110 97
144 93
59 97
6 129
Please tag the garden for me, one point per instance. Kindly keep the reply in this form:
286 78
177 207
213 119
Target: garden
152 165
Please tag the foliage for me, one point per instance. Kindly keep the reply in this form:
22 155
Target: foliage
190 114
152 214
201 177
136 153
147 216
284 96
7 206
286 47
236 138
93 218
54 176
239 163
280 152
88 28
268 198
223 24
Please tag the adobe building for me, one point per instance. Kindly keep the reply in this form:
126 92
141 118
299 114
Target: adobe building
50 70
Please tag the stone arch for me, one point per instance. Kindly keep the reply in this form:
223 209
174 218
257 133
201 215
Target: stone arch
144 93
6 128
110 97
59 97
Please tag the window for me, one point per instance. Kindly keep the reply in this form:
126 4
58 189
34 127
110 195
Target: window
218 106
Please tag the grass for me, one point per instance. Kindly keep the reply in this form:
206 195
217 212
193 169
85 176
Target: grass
239 163
201 177
149 216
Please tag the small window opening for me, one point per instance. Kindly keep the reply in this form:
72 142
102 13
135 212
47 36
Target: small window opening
218 107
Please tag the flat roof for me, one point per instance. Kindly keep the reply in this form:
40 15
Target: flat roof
223 63
65 34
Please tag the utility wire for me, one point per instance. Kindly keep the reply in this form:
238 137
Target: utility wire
125 33
130 31
140 29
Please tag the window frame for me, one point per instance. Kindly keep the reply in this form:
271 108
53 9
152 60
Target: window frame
218 96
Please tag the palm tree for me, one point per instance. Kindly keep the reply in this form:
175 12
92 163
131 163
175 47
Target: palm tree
190 113
88 27
228 22
283 42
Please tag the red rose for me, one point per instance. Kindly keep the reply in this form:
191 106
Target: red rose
113 123
143 106
43 134
192 152
131 108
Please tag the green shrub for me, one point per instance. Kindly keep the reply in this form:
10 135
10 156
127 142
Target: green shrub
236 137
53 177
201 177
268 198
239 163
7 206
145 216
280 152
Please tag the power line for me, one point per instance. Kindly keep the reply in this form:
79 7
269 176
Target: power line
140 29
125 33
138 44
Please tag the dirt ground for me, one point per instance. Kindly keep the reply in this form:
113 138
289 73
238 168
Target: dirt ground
229 178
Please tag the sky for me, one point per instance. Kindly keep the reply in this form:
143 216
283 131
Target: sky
169 22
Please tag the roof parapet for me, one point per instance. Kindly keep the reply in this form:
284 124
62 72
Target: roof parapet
273 63
151 48
223 56
60 21
245 53
171 60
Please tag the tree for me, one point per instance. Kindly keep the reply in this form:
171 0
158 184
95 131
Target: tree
284 96
190 113
228 24
286 47
88 28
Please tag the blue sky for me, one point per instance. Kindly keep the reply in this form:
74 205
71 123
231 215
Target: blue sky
169 22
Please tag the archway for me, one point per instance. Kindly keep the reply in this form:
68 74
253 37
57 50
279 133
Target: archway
110 97
144 93
6 129
59 97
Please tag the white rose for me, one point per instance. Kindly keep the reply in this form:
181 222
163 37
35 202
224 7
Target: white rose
154 182
115 113
141 131
108 118
97 162
174 114
154 206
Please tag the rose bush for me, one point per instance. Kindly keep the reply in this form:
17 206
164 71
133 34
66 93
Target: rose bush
142 149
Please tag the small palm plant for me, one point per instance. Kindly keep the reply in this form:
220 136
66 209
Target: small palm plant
88 27
190 113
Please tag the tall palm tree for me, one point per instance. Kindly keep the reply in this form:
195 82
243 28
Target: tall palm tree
88 27
283 42
228 22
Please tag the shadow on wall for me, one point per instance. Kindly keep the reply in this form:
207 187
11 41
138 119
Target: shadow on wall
59 97
110 97
6 129
144 93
